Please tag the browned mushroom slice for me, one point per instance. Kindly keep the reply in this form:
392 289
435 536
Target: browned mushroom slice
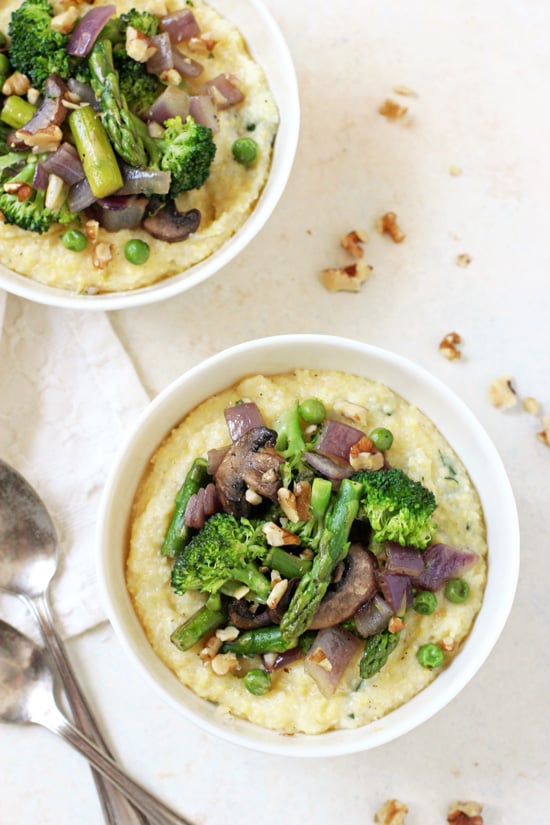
170 225
355 586
246 616
250 462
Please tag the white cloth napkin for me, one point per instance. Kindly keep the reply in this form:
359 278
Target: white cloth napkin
68 392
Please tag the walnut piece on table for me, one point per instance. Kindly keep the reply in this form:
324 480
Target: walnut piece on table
392 812
387 225
501 394
449 346
346 278
392 110
544 434
463 260
465 813
353 242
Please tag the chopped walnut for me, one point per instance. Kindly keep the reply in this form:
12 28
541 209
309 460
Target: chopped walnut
302 492
353 242
277 536
319 657
224 663
33 96
205 42
447 644
16 84
65 20
210 649
287 500
346 278
392 110
43 140
455 171
138 45
392 812
171 77
531 405
449 346
463 260
396 624
465 813
277 593
353 412
102 255
544 434
91 230
253 497
501 394
387 225
363 455
22 190
227 634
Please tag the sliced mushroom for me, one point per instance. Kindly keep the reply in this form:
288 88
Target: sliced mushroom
355 585
167 224
246 616
250 462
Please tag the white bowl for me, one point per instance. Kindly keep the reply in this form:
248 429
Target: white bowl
269 49
280 354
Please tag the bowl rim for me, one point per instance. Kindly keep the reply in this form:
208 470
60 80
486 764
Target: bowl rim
502 527
284 152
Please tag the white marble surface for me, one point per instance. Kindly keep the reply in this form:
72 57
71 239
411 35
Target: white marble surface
480 73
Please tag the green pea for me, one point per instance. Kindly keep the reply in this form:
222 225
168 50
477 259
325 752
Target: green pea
425 602
74 240
312 411
257 681
137 252
4 65
381 438
457 590
430 656
245 150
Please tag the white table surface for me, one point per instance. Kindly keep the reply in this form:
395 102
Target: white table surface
480 72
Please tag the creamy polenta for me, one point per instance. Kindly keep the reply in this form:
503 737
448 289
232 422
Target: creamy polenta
294 703
224 201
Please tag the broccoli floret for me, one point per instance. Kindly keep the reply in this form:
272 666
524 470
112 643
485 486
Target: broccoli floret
143 21
139 88
36 49
31 214
225 550
397 508
188 150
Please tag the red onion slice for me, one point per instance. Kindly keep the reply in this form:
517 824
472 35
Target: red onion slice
181 25
407 561
87 30
186 66
397 591
65 163
40 178
336 439
81 196
203 111
214 458
329 656
373 617
441 563
116 213
172 102
52 111
241 418
332 468
225 91
201 505
84 92
162 59
144 181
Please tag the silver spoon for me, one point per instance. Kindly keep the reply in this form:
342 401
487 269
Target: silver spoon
28 562
27 695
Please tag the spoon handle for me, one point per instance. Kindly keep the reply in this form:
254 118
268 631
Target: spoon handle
157 811
116 808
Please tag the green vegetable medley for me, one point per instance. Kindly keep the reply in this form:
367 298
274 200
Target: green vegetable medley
100 99
304 553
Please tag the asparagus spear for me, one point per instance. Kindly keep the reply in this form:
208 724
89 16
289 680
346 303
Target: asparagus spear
210 616
333 548
16 111
376 653
95 151
116 116
178 533
259 640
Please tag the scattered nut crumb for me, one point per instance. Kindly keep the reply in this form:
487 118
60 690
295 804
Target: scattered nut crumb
65 20
91 230
449 346
210 649
396 624
387 225
392 812
353 412
16 84
353 242
405 91
392 110
346 278
252 497
501 394
544 435
102 255
455 171
465 813
227 634
531 405
277 536
447 644
463 260
302 491
319 657
224 663
287 500
277 593
139 46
